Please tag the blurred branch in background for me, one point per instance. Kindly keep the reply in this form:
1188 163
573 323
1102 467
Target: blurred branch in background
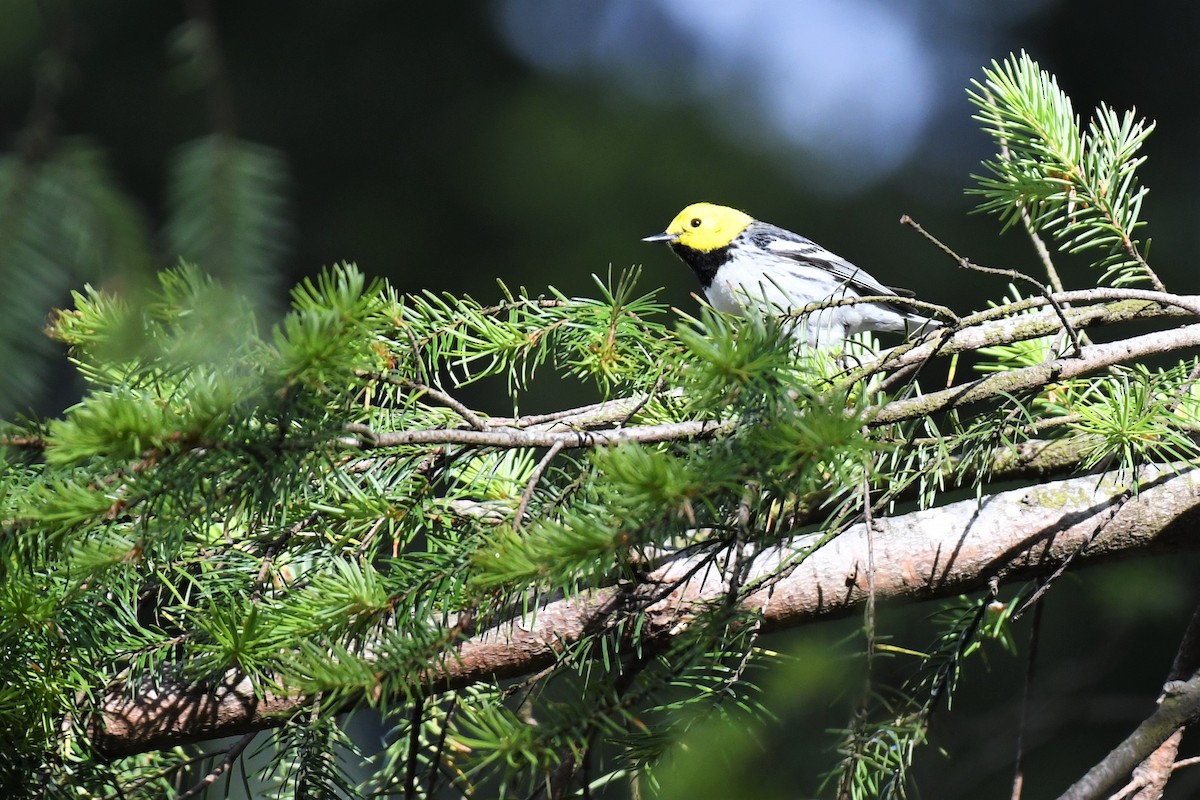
66 220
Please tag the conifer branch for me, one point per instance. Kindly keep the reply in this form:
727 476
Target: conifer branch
934 553
515 437
1091 358
1021 321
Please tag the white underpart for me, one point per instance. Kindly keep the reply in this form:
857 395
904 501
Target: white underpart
790 286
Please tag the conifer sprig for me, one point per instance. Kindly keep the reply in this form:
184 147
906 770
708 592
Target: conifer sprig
1080 185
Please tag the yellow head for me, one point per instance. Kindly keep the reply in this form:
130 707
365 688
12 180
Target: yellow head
704 227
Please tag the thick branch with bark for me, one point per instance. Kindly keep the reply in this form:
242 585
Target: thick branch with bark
922 555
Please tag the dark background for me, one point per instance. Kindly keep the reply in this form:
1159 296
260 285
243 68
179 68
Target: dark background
434 145
423 148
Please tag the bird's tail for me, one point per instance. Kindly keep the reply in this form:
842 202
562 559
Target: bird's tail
916 326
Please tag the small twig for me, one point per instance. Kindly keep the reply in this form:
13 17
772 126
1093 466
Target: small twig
869 533
530 420
442 397
1014 275
415 349
589 416
414 747
365 437
1110 514
905 374
1091 359
1035 632
167 773
273 549
1011 274
370 534
1039 246
741 564
1178 706
231 755
1042 251
534 479
439 749
659 384
1186 762
1184 389
932 309
1130 250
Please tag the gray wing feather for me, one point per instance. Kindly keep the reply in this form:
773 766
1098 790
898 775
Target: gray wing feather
806 252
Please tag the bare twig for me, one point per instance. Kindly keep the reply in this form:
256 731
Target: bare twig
1185 389
538 471
513 437
1042 251
590 416
1090 359
1035 633
1011 274
1045 584
1131 250
442 397
439 748
231 755
1008 323
932 309
869 531
1178 706
659 385
415 720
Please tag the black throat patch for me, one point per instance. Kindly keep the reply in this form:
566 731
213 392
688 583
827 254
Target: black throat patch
705 265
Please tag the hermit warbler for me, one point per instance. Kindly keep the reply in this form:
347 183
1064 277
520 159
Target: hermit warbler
743 262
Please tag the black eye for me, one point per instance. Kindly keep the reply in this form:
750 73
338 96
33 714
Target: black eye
695 223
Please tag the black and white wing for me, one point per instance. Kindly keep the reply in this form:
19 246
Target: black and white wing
806 252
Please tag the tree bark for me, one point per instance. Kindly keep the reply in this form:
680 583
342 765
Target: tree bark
921 555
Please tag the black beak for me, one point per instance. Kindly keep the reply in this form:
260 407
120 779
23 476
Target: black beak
662 237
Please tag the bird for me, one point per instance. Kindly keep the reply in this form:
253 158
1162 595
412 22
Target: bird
742 262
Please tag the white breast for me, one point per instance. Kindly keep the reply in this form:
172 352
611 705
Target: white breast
740 283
